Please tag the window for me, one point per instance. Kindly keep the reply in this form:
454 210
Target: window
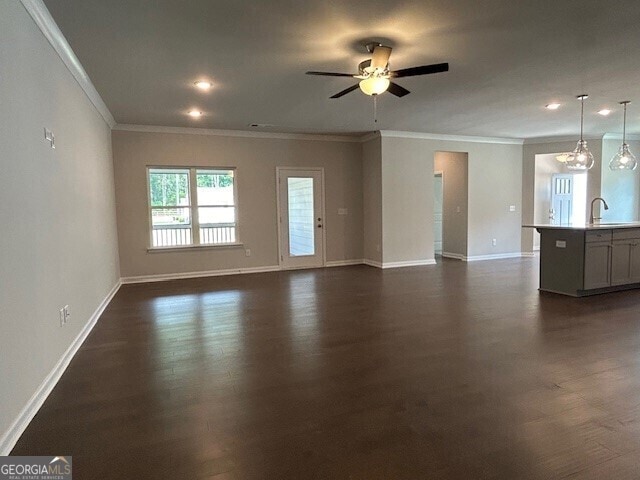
192 206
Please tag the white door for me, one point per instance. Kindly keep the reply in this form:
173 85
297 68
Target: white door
301 217
437 212
561 198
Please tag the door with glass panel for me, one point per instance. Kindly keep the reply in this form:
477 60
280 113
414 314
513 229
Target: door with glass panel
300 217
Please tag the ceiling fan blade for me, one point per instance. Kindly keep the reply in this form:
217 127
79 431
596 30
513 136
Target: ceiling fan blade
330 74
397 90
423 70
380 57
345 91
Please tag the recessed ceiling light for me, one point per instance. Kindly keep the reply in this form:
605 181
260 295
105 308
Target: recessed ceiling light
195 113
203 85
552 106
604 112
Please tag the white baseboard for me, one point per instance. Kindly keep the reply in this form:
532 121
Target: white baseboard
209 273
409 263
343 263
11 436
536 248
372 263
495 256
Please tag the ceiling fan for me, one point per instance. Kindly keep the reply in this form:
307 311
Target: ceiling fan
374 73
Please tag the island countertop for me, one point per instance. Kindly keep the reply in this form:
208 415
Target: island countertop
583 226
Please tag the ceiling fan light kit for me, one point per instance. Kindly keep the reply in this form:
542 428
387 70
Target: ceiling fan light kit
374 85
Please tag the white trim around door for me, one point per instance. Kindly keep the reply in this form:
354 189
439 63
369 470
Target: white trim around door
309 255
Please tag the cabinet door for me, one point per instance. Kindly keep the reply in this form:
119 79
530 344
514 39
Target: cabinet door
634 269
597 263
621 257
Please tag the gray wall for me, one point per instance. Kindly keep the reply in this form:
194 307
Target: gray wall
58 244
372 199
256 160
495 183
455 175
620 188
407 201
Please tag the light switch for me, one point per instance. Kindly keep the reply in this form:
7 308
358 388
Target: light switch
561 244
458 209
50 137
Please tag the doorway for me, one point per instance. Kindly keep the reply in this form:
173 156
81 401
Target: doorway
438 202
451 198
301 217
560 197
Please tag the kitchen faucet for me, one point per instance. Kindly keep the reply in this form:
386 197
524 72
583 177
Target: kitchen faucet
606 207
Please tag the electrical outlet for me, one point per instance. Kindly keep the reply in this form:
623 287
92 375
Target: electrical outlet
512 208
494 242
247 252
343 211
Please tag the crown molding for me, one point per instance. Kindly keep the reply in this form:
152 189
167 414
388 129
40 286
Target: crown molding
236 133
450 138
47 25
314 137
370 136
560 139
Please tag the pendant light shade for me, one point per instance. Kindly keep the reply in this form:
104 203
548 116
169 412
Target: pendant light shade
581 158
624 159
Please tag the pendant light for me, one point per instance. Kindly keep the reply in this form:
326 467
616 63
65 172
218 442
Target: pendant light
581 158
624 159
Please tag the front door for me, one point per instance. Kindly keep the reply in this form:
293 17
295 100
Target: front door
561 198
301 217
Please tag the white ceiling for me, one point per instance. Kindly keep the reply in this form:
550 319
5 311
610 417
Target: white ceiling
508 58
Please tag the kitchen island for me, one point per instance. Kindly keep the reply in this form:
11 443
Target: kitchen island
589 259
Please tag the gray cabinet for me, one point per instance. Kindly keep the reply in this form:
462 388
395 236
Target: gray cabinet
580 262
621 255
625 257
597 265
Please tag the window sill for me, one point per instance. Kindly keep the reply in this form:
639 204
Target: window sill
194 248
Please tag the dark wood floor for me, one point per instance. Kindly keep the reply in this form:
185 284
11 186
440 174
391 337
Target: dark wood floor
449 371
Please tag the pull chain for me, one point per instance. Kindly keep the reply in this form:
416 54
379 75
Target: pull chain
375 108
